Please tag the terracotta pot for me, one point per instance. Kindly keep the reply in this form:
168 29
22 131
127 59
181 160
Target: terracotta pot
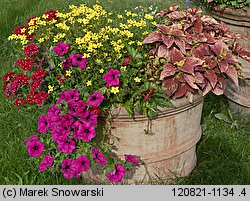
239 22
166 144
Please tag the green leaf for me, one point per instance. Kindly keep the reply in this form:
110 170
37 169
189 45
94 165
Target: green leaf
222 117
20 181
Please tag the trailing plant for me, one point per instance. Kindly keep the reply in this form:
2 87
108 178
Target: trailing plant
227 3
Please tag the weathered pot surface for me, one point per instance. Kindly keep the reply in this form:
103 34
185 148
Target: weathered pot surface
169 147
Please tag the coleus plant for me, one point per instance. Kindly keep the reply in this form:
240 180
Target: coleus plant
196 53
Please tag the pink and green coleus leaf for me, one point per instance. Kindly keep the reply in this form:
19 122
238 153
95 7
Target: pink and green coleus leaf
219 48
190 64
233 74
170 86
168 70
153 37
176 55
168 40
220 86
190 79
163 52
198 25
206 89
211 76
181 44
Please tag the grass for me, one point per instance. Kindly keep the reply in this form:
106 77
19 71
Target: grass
223 153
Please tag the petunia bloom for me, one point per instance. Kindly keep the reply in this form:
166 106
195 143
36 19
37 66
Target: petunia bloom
112 78
78 60
43 124
34 137
117 174
86 132
35 148
90 117
99 157
82 164
68 168
66 145
46 162
95 99
131 159
61 49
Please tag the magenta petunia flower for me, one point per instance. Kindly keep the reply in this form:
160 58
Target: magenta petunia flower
60 133
53 110
95 99
35 148
68 96
86 132
61 48
76 126
67 120
68 168
82 164
77 108
66 64
34 137
46 162
66 145
99 157
43 124
112 78
131 159
117 174
78 60
89 116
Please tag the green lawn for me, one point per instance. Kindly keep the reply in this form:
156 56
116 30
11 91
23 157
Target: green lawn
223 153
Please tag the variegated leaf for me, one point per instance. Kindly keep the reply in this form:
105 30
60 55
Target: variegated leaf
153 37
168 70
212 77
223 65
181 44
168 40
170 86
175 55
191 81
163 52
233 74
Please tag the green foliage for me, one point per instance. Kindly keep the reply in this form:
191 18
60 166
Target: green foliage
227 3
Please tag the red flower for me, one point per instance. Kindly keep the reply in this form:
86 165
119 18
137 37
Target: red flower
31 49
19 101
25 64
51 15
19 31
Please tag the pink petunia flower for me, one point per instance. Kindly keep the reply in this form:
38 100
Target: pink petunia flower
131 159
86 132
77 108
68 168
34 137
66 64
67 120
117 174
82 164
89 116
35 148
61 49
43 124
60 133
95 99
112 78
46 162
68 96
78 60
66 145
99 157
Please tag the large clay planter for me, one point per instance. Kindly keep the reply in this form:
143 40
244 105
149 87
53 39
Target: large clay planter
170 148
239 22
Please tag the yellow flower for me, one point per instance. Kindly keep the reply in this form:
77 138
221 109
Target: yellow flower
149 17
114 90
180 27
40 40
101 70
145 33
68 72
128 13
119 16
137 79
61 86
23 30
154 23
124 68
110 20
45 16
139 43
51 88
89 83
